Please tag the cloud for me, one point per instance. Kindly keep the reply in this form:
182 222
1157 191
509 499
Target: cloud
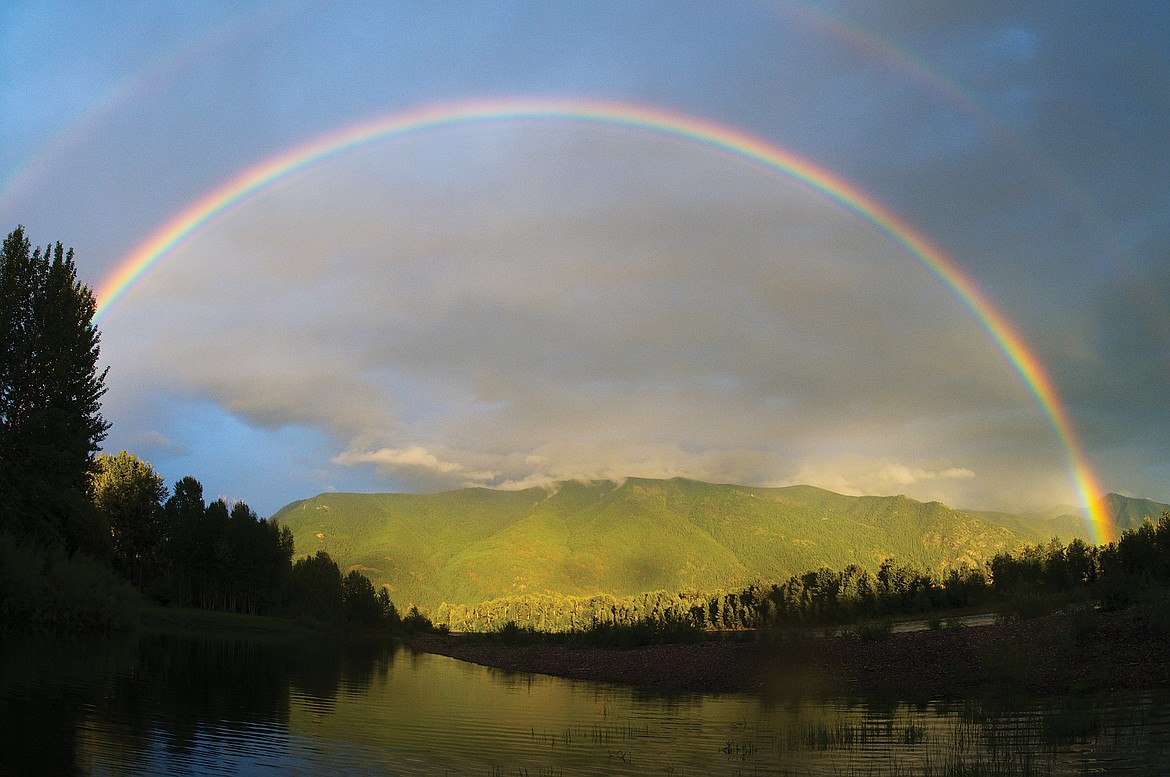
588 314
543 300
878 477
412 459
152 443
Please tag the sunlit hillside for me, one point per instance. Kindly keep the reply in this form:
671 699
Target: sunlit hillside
470 545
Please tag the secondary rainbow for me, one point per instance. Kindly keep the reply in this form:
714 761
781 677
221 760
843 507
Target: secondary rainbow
725 139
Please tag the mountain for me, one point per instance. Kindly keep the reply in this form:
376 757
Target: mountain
1063 522
1066 522
1127 512
584 538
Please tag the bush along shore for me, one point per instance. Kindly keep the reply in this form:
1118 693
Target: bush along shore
1081 650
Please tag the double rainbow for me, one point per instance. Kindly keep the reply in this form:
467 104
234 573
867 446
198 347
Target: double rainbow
725 139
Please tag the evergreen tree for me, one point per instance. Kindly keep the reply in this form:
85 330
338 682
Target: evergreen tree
183 514
50 396
359 599
315 588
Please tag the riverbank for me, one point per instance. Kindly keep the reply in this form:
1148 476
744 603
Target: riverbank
1080 652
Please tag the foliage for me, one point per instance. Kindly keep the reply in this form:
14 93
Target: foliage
67 508
319 592
184 551
50 397
873 631
315 589
44 587
578 614
1031 581
129 494
1142 554
1034 581
415 622
649 631
225 559
359 601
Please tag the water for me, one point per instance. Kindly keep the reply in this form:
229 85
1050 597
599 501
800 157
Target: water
159 705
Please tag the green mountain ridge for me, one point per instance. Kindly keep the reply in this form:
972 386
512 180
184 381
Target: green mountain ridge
624 538
1127 512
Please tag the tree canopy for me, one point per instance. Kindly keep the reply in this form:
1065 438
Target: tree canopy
129 494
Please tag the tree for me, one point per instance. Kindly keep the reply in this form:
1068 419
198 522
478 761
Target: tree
315 589
50 395
360 600
183 514
129 494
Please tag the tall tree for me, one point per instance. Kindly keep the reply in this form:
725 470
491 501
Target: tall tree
183 515
50 395
315 588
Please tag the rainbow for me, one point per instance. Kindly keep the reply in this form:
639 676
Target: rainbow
724 139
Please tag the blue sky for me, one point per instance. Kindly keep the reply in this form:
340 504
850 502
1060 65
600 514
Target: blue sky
509 304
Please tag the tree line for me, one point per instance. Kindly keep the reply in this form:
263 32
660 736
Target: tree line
80 533
84 535
182 550
1029 581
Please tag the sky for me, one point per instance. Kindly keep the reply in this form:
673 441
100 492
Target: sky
513 298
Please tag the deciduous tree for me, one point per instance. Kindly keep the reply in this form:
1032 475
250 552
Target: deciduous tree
130 495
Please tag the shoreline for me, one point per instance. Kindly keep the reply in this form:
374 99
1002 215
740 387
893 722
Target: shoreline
1078 653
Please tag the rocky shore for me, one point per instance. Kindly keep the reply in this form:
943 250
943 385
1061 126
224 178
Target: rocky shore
1058 654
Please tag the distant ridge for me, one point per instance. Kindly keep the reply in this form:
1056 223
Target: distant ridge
622 538
1127 512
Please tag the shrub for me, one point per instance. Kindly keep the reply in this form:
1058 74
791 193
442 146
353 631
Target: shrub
1026 605
874 631
43 587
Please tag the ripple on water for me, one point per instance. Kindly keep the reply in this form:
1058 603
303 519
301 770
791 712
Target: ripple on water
169 707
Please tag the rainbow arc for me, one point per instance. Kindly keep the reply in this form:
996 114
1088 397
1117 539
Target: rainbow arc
239 189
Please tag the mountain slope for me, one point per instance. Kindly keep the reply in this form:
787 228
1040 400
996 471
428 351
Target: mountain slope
1129 512
471 545
1061 523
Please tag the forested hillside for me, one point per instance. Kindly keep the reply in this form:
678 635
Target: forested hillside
621 539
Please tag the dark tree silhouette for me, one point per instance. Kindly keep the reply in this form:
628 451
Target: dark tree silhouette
50 396
360 602
182 516
315 588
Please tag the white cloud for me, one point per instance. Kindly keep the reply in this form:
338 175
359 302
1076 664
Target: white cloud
880 477
907 476
411 458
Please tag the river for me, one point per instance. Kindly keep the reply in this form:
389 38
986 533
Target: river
163 705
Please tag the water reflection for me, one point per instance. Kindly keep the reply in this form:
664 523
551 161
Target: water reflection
134 705
160 705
